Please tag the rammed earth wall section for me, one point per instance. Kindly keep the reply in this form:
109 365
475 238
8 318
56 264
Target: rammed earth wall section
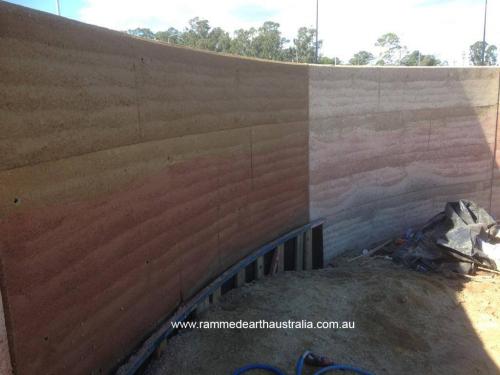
389 146
132 173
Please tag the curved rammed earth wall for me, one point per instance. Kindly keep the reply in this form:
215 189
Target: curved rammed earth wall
132 173
390 146
140 171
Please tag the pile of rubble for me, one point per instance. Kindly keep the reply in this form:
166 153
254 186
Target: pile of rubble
463 238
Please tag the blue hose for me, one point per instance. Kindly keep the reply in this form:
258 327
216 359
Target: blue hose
324 370
299 367
258 366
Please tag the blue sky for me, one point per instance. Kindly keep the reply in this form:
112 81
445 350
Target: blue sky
70 9
442 27
254 12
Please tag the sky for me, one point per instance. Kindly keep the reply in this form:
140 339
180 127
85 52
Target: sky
445 28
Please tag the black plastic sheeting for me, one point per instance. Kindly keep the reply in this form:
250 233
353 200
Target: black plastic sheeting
452 240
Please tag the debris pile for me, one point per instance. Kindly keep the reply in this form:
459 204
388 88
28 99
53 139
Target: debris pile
463 238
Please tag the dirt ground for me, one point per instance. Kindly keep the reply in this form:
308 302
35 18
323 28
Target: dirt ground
405 323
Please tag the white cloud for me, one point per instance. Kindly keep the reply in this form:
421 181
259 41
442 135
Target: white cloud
442 27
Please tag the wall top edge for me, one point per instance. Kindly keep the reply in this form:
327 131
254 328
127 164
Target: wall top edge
400 67
13 10
9 11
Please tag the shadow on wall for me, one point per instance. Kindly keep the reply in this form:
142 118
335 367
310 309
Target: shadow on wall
390 146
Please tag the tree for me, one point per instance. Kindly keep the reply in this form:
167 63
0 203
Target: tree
329 60
197 34
430 60
172 35
289 54
391 49
142 33
268 42
416 58
361 58
219 40
242 43
305 45
476 54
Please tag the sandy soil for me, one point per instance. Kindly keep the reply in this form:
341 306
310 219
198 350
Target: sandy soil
406 323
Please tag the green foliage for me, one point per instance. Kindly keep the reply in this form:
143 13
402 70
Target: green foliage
242 43
304 45
172 35
268 43
197 34
361 58
329 60
142 33
416 58
391 49
430 60
476 54
219 40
